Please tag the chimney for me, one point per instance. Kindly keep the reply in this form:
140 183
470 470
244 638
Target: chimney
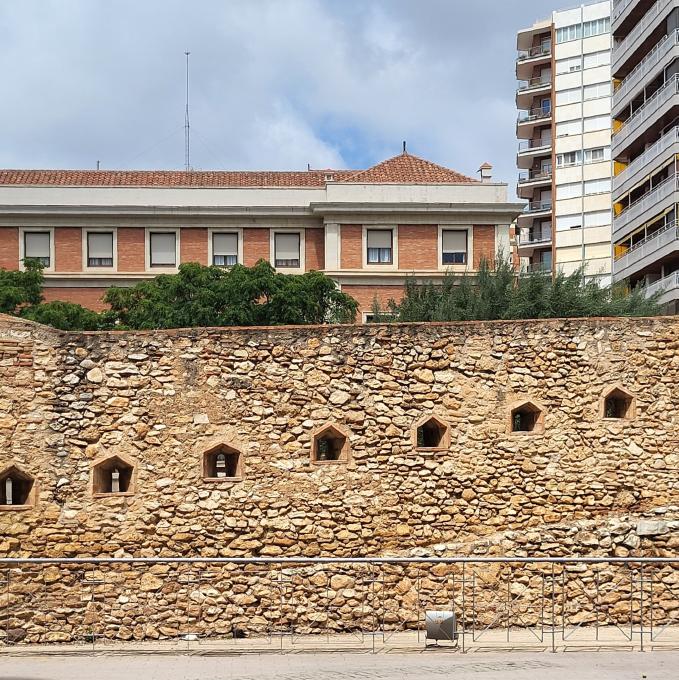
486 172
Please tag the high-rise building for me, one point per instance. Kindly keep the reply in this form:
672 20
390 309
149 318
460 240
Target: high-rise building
564 128
645 145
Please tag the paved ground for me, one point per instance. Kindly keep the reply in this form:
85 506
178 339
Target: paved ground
613 665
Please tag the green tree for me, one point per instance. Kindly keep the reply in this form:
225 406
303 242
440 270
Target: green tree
19 289
65 315
496 292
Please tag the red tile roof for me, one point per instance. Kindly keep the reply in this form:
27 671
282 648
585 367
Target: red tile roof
403 169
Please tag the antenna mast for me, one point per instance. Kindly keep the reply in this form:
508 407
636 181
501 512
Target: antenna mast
187 124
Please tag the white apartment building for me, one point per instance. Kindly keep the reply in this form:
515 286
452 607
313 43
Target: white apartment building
564 128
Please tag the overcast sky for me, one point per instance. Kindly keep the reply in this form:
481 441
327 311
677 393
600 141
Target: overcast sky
275 84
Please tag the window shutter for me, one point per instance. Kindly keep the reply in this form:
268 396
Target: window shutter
100 245
379 239
37 244
163 249
287 246
454 241
225 244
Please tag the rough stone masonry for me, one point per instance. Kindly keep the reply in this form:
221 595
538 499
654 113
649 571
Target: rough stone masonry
157 405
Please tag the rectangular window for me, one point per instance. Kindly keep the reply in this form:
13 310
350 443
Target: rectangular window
568 65
598 155
597 90
454 246
163 249
597 186
100 249
380 246
565 160
598 219
37 246
224 249
596 27
572 190
571 96
568 222
597 59
594 123
567 33
286 250
568 127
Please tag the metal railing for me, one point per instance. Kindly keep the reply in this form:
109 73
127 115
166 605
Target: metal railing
533 83
533 176
666 284
645 66
538 206
533 52
642 114
646 203
534 114
271 603
669 138
532 237
530 144
624 46
647 246
619 7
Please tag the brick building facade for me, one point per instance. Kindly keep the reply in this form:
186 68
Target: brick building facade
367 229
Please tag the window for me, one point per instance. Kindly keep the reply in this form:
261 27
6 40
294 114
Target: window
568 65
618 404
568 159
597 59
112 476
163 249
330 444
598 155
571 96
224 249
564 222
597 90
222 463
15 488
100 249
594 123
37 246
526 417
568 33
596 27
597 186
568 127
380 246
430 432
454 246
600 218
571 190
286 250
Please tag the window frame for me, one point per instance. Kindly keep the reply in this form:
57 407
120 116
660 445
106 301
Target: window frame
22 246
376 266
85 247
302 250
469 231
147 248
210 245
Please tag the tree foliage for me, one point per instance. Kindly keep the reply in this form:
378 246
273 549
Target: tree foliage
497 293
19 289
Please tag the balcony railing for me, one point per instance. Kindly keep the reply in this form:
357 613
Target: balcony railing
533 237
640 29
645 66
535 176
646 202
619 7
666 284
647 246
534 114
665 142
533 83
641 115
537 268
530 144
538 206
534 52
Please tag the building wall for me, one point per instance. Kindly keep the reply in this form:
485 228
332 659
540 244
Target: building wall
418 246
131 249
194 245
160 400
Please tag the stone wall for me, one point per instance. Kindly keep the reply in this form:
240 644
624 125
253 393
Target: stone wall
580 484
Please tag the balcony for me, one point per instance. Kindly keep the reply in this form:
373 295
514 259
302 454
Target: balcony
528 120
531 180
619 8
536 268
644 253
647 69
530 149
532 239
538 52
648 114
668 285
635 38
651 203
529 88
654 157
